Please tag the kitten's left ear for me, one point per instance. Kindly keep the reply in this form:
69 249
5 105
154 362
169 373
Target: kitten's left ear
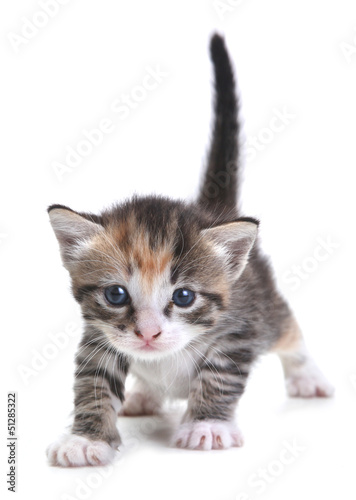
233 241
73 231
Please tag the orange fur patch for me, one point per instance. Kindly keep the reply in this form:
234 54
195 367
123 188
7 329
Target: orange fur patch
291 337
133 248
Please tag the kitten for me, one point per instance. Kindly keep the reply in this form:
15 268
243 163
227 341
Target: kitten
180 296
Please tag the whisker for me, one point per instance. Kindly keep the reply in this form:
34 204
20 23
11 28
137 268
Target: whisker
211 367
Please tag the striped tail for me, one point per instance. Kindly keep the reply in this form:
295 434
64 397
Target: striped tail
220 184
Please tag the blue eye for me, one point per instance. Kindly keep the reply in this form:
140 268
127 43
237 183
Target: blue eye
183 297
117 295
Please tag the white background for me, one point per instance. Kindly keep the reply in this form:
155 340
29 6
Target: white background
299 56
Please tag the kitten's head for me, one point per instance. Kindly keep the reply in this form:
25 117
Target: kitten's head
152 274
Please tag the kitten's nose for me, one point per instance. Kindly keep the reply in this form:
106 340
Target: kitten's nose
148 325
148 334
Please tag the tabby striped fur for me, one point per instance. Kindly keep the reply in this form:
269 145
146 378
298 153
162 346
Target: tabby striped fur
153 246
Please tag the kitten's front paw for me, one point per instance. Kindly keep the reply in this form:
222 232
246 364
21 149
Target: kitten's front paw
78 451
207 435
309 384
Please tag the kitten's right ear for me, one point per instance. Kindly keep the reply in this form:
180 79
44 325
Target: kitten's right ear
73 231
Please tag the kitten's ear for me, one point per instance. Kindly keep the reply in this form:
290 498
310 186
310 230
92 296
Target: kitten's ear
73 231
234 241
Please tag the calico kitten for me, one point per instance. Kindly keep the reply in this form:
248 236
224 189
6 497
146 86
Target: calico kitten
180 296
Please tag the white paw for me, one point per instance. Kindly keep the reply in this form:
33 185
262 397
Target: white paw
207 435
78 451
137 403
309 383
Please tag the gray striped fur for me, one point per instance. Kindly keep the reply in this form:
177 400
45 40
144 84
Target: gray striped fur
204 352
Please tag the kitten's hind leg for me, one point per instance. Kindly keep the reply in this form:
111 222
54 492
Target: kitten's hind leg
303 377
140 401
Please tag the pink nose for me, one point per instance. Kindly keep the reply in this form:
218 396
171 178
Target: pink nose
148 334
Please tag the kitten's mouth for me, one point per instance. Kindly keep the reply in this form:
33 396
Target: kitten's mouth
147 347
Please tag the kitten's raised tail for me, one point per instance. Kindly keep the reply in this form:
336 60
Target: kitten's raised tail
220 183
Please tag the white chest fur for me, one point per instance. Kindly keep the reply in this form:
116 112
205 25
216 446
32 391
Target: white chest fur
170 376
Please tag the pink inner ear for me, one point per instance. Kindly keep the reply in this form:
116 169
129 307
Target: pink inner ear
70 227
237 239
